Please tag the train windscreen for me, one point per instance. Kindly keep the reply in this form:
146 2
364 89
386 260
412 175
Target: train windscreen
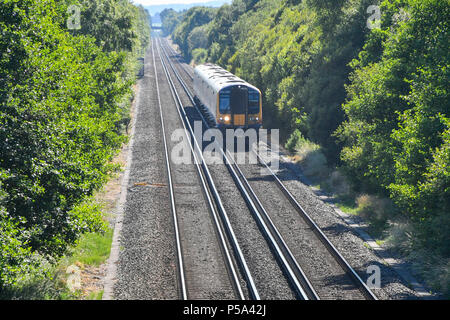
239 100
253 101
224 102
225 99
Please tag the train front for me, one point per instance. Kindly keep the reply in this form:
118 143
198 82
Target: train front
239 106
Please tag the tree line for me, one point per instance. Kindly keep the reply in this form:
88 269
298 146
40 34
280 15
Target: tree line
375 98
66 74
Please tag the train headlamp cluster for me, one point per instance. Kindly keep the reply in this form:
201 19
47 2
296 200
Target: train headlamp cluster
227 119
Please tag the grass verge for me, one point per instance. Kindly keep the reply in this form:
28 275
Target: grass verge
75 276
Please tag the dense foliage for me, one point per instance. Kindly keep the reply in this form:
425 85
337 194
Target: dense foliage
170 20
62 102
191 33
398 128
375 99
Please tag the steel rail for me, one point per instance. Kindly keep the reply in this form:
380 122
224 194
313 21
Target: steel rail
292 270
200 161
322 237
300 274
178 59
171 189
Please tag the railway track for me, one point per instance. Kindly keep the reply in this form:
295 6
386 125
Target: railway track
179 59
187 286
359 283
293 272
290 261
171 190
252 288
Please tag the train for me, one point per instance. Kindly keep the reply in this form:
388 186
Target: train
226 100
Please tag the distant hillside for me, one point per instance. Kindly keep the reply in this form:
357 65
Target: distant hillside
180 7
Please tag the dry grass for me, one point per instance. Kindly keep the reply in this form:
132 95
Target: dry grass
373 207
310 157
339 184
377 211
428 266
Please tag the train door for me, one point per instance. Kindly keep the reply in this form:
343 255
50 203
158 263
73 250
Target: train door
239 106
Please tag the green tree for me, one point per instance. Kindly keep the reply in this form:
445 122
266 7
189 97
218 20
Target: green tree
170 20
60 108
398 116
194 17
198 38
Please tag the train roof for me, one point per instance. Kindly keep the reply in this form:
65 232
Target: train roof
219 78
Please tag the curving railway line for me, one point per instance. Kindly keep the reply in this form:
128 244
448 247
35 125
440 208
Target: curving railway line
272 237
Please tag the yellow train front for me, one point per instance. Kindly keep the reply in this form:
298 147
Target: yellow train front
226 100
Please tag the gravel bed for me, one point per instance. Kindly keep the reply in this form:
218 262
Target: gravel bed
344 238
265 270
205 267
146 268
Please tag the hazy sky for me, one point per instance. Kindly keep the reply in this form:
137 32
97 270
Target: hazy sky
157 2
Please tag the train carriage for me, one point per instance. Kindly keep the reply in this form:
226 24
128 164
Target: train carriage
228 101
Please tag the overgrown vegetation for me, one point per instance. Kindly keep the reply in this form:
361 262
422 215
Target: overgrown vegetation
372 102
64 99
397 133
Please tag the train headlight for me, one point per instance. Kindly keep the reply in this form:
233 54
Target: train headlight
227 118
257 118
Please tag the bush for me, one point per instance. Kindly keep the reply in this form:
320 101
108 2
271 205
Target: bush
439 278
62 107
314 163
376 211
17 261
339 184
294 141
310 155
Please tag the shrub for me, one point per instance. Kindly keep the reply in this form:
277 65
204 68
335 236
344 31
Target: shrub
294 141
376 210
17 261
339 184
314 162
310 155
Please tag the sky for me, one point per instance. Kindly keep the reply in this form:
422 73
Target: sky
158 2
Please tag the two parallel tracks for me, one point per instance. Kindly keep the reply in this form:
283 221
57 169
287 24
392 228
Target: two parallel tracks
237 266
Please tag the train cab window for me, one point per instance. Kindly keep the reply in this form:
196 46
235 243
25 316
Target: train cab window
224 105
253 101
239 99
